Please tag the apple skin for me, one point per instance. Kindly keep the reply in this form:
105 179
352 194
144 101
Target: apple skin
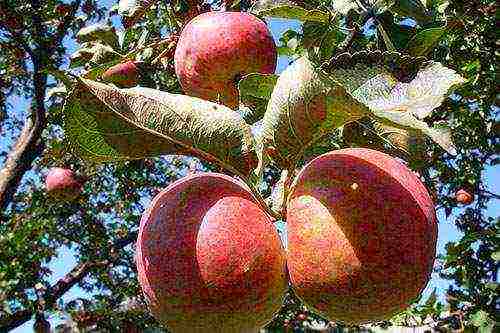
124 75
361 235
209 259
62 184
464 197
215 48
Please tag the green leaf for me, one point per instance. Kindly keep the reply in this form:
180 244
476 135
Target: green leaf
257 85
344 6
412 8
495 256
104 123
408 141
493 286
400 33
287 9
302 109
367 77
103 53
324 38
81 56
480 319
424 41
387 40
104 34
255 91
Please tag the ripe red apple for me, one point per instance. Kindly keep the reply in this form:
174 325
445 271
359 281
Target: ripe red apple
216 48
361 235
301 316
464 197
208 258
124 75
62 184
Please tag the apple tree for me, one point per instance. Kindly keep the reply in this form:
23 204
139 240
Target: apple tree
386 113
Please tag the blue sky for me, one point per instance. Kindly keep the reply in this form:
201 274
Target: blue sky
66 261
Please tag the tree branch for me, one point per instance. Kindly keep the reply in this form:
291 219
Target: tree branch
56 291
29 145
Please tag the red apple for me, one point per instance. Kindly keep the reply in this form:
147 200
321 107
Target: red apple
62 184
361 235
62 9
301 317
124 75
464 197
208 258
216 48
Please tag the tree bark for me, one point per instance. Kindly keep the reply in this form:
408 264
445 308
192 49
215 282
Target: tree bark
29 144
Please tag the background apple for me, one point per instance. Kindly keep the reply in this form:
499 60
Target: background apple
361 235
208 258
216 48
124 75
61 183
464 197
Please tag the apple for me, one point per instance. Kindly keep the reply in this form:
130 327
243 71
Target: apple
208 257
464 197
216 48
301 317
62 184
62 9
124 75
361 235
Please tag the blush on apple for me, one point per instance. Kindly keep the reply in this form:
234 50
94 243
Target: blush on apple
209 258
216 48
361 235
62 184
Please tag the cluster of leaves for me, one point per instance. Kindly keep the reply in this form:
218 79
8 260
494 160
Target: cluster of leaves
99 228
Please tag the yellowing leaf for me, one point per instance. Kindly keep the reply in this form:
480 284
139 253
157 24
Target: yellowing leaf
396 103
104 34
424 41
